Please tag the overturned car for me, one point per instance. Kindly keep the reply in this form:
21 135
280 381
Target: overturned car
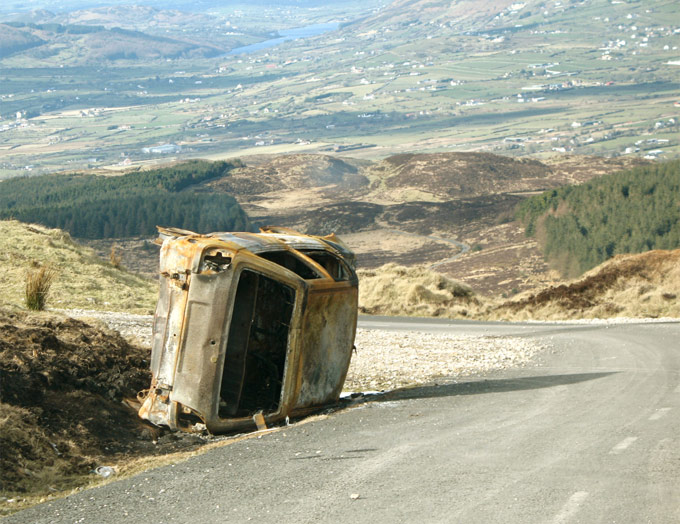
249 328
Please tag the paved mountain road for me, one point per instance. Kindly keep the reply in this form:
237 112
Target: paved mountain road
589 434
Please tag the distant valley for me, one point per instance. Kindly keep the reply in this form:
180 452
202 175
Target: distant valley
103 88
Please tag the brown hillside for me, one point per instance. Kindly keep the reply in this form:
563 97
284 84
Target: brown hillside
409 208
576 169
635 286
62 383
468 197
13 40
461 175
642 285
292 172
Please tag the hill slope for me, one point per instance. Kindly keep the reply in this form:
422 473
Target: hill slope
90 44
645 285
83 280
291 172
460 175
642 285
412 209
13 40
629 212
408 208
132 204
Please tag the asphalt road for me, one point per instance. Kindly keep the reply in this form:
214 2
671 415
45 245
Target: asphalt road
589 434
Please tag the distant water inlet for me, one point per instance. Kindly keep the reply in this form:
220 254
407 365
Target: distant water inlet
287 35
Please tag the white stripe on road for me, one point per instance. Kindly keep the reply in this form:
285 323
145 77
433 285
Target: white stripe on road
571 507
621 446
659 413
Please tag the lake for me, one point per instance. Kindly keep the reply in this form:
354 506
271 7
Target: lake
287 35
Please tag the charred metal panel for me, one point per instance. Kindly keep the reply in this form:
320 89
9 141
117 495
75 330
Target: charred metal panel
249 327
327 345
202 341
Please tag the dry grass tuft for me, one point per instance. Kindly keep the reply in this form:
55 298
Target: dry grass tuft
115 258
413 291
38 283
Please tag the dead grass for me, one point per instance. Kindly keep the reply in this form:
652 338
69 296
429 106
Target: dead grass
413 291
645 285
115 257
85 281
38 283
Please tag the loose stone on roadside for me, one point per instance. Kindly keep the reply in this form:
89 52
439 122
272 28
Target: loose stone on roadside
391 359
384 360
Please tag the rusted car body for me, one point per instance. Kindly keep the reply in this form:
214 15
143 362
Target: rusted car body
249 327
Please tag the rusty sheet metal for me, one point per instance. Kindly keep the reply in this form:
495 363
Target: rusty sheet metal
249 328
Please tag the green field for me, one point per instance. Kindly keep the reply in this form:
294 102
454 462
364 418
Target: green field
391 86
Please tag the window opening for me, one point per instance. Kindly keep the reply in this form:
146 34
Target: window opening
290 261
216 262
332 264
256 348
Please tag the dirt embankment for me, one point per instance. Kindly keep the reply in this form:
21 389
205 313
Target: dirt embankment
642 285
63 386
645 285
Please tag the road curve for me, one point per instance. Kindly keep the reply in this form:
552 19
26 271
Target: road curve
464 248
590 433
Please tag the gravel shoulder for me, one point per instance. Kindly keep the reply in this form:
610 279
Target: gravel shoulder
383 360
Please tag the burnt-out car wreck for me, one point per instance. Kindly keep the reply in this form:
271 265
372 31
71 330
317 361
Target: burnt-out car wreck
249 328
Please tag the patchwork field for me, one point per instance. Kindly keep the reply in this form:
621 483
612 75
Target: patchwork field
586 78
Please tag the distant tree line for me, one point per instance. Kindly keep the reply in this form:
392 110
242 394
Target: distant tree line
90 206
579 227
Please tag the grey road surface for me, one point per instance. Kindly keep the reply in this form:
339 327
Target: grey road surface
588 434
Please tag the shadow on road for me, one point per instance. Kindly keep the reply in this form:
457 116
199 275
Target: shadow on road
487 386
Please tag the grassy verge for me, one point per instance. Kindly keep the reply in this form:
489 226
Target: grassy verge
82 279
